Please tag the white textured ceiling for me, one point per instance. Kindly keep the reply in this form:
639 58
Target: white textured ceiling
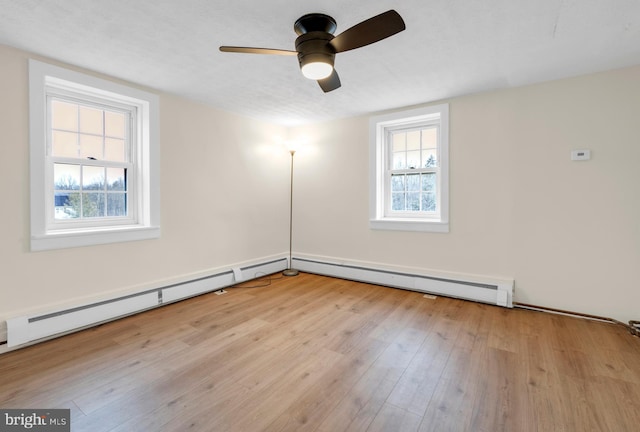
450 48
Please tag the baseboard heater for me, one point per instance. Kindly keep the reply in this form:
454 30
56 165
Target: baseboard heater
497 291
27 329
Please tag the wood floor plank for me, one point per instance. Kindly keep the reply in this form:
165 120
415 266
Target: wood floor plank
414 311
415 388
542 379
497 406
391 418
360 406
327 393
450 408
502 335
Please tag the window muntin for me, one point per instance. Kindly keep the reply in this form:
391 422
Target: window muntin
409 170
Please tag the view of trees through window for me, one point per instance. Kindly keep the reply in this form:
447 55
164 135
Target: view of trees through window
413 192
89 196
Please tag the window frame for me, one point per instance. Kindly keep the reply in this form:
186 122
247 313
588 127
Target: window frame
47 81
131 126
390 171
380 157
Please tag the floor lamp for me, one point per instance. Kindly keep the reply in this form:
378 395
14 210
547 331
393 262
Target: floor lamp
291 271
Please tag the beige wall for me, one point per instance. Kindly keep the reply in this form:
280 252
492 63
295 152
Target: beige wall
224 198
568 232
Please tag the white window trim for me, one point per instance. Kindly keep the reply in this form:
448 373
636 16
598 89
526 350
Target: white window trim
378 127
147 224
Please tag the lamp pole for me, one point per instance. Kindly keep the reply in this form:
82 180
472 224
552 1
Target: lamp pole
291 271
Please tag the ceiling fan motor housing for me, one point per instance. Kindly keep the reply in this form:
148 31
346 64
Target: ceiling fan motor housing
314 22
314 47
315 31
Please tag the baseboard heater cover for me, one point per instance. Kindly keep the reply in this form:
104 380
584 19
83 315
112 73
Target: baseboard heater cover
498 293
22 330
27 329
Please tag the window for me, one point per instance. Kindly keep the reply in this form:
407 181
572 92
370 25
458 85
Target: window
409 170
89 149
94 160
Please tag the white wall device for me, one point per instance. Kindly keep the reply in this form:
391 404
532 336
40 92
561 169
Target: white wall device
580 155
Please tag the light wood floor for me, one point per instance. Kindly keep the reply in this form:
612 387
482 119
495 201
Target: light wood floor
322 354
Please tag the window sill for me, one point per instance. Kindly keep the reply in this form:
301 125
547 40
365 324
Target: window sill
83 237
409 225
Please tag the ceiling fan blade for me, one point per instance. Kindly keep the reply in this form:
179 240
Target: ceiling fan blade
250 50
367 32
330 83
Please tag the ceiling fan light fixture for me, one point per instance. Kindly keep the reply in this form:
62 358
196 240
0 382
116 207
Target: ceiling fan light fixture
316 46
317 70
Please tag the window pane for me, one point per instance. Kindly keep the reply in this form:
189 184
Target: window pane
429 182
114 150
397 201
92 178
429 158
64 144
116 179
66 205
93 204
430 147
413 182
91 147
413 140
400 160
64 116
413 159
413 201
117 204
399 142
91 120
114 124
66 177
397 183
430 138
428 201
400 150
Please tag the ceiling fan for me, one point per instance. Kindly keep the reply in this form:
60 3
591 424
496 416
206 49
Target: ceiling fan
316 46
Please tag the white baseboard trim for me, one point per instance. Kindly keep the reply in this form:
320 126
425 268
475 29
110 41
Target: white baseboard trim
485 289
36 327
